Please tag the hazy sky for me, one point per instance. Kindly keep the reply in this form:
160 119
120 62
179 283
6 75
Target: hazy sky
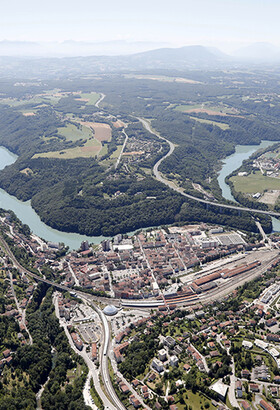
225 23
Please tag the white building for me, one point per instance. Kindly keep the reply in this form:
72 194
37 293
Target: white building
247 344
157 365
261 344
162 355
174 361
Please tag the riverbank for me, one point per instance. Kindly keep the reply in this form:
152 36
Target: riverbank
233 162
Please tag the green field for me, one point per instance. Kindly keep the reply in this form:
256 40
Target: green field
195 401
90 149
91 97
14 102
206 108
184 108
254 183
221 125
73 132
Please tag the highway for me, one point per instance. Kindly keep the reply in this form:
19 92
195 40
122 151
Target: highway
171 185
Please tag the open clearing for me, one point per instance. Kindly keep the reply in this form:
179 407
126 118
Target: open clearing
102 131
118 124
89 98
91 148
255 183
207 109
221 125
162 78
73 132
270 197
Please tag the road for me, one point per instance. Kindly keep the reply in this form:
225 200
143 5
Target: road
132 390
122 150
102 96
104 364
104 361
91 366
267 241
171 185
73 274
21 311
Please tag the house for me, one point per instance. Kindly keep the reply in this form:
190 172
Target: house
245 374
187 367
152 377
6 353
272 337
214 353
245 405
123 387
266 406
254 388
94 351
276 379
135 402
135 383
238 387
211 345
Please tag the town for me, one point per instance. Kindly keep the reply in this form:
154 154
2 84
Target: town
188 330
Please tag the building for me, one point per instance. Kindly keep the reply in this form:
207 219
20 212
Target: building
162 354
247 344
94 351
157 365
266 406
220 388
174 361
110 310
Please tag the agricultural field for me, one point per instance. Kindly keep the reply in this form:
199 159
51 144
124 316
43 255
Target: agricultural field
73 132
163 78
102 132
93 132
90 149
255 183
221 125
220 109
89 98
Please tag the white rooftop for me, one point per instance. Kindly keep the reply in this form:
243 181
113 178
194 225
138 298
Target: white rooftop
220 388
261 344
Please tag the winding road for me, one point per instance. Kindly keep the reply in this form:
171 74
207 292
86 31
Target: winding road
171 185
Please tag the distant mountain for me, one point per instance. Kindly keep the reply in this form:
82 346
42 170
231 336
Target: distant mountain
258 52
178 57
71 48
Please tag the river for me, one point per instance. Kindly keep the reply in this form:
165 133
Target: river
27 215
234 161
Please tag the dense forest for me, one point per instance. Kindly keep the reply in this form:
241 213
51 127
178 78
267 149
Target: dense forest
87 195
50 356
